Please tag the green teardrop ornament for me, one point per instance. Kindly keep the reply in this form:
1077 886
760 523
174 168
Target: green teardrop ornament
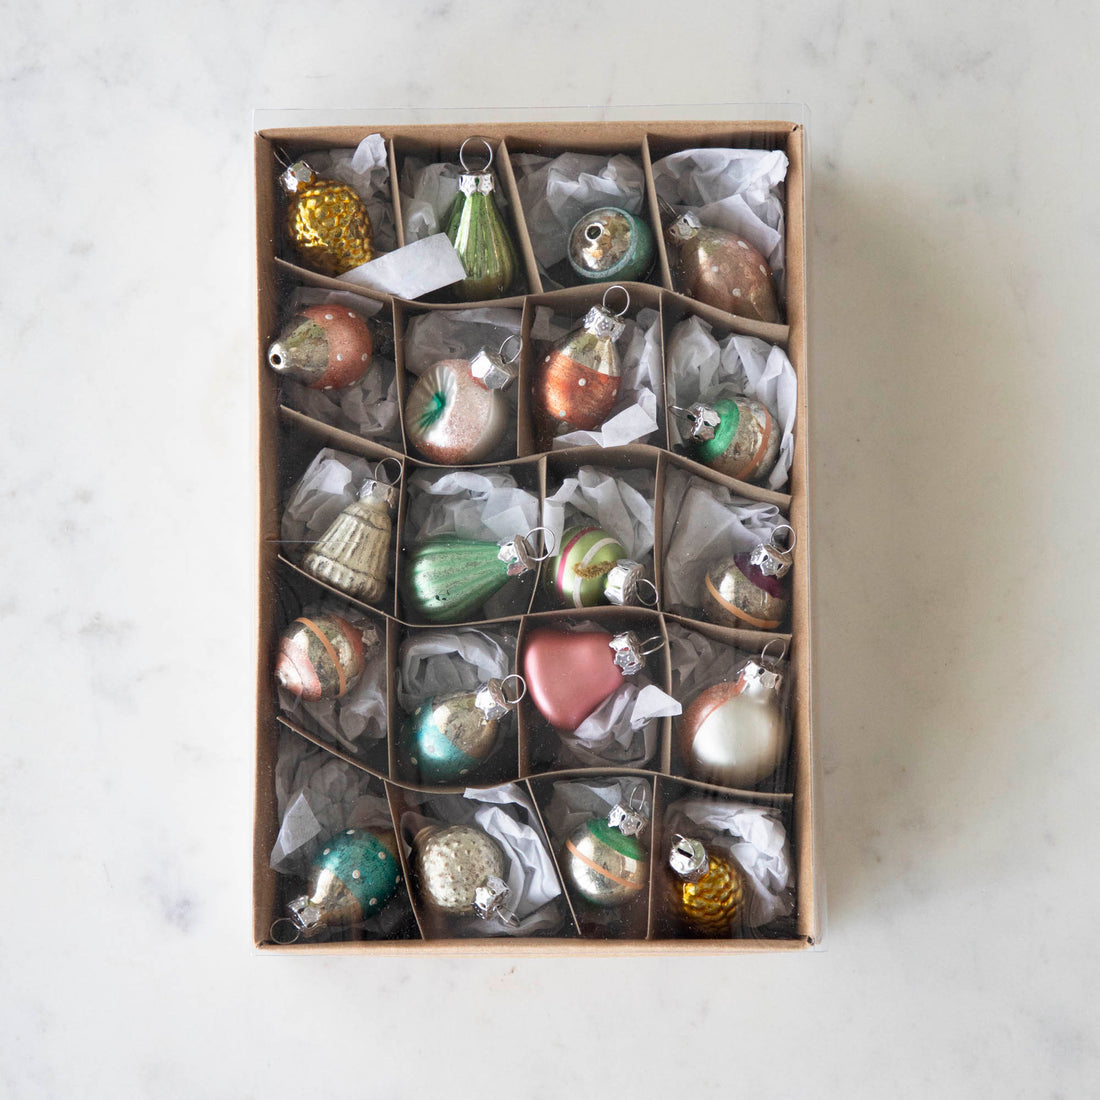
481 239
448 579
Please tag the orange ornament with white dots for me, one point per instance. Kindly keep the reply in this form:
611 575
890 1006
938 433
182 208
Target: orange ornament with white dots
577 384
323 347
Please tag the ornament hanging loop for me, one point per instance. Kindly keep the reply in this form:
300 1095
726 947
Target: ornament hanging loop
462 155
549 543
652 645
291 934
626 303
380 466
647 593
509 359
521 687
782 650
788 540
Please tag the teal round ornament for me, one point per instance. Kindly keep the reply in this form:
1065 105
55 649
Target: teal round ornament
354 874
610 245
364 863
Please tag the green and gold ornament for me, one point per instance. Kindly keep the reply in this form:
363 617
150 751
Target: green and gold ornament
749 590
448 579
592 568
480 237
604 861
353 876
737 436
610 245
448 737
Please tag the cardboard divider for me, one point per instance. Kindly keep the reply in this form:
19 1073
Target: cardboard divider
521 238
664 269
629 920
404 313
561 465
395 797
289 439
502 765
395 193
665 922
632 146
525 473
656 857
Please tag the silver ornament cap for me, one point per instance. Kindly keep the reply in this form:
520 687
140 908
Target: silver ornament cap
492 371
688 858
772 559
686 226
631 652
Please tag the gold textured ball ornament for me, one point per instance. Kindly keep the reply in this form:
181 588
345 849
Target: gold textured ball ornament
328 224
708 891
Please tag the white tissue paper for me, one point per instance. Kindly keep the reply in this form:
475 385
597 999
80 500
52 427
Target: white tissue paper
367 170
508 816
556 194
441 662
427 194
331 482
619 501
369 406
635 415
359 717
755 837
735 189
703 523
699 662
317 796
486 505
703 368
461 334
625 727
418 268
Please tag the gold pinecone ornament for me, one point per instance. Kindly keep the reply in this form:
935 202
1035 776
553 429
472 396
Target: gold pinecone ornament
708 892
328 223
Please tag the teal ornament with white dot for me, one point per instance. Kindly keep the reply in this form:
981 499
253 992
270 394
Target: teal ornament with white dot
354 874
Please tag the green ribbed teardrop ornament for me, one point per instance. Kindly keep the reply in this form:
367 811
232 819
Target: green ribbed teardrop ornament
448 579
480 237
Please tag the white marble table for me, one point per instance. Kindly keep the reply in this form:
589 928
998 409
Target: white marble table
955 263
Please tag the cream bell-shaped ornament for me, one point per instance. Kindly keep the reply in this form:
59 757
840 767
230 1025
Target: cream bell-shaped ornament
734 733
456 412
353 554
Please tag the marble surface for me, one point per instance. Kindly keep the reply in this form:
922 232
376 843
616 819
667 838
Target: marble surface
954 266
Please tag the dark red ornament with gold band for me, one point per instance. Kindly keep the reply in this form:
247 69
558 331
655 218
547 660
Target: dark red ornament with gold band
577 384
323 347
322 656
750 590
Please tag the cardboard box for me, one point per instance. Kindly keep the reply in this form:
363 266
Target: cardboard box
287 440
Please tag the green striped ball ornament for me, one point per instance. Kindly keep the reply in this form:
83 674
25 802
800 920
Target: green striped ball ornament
578 572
